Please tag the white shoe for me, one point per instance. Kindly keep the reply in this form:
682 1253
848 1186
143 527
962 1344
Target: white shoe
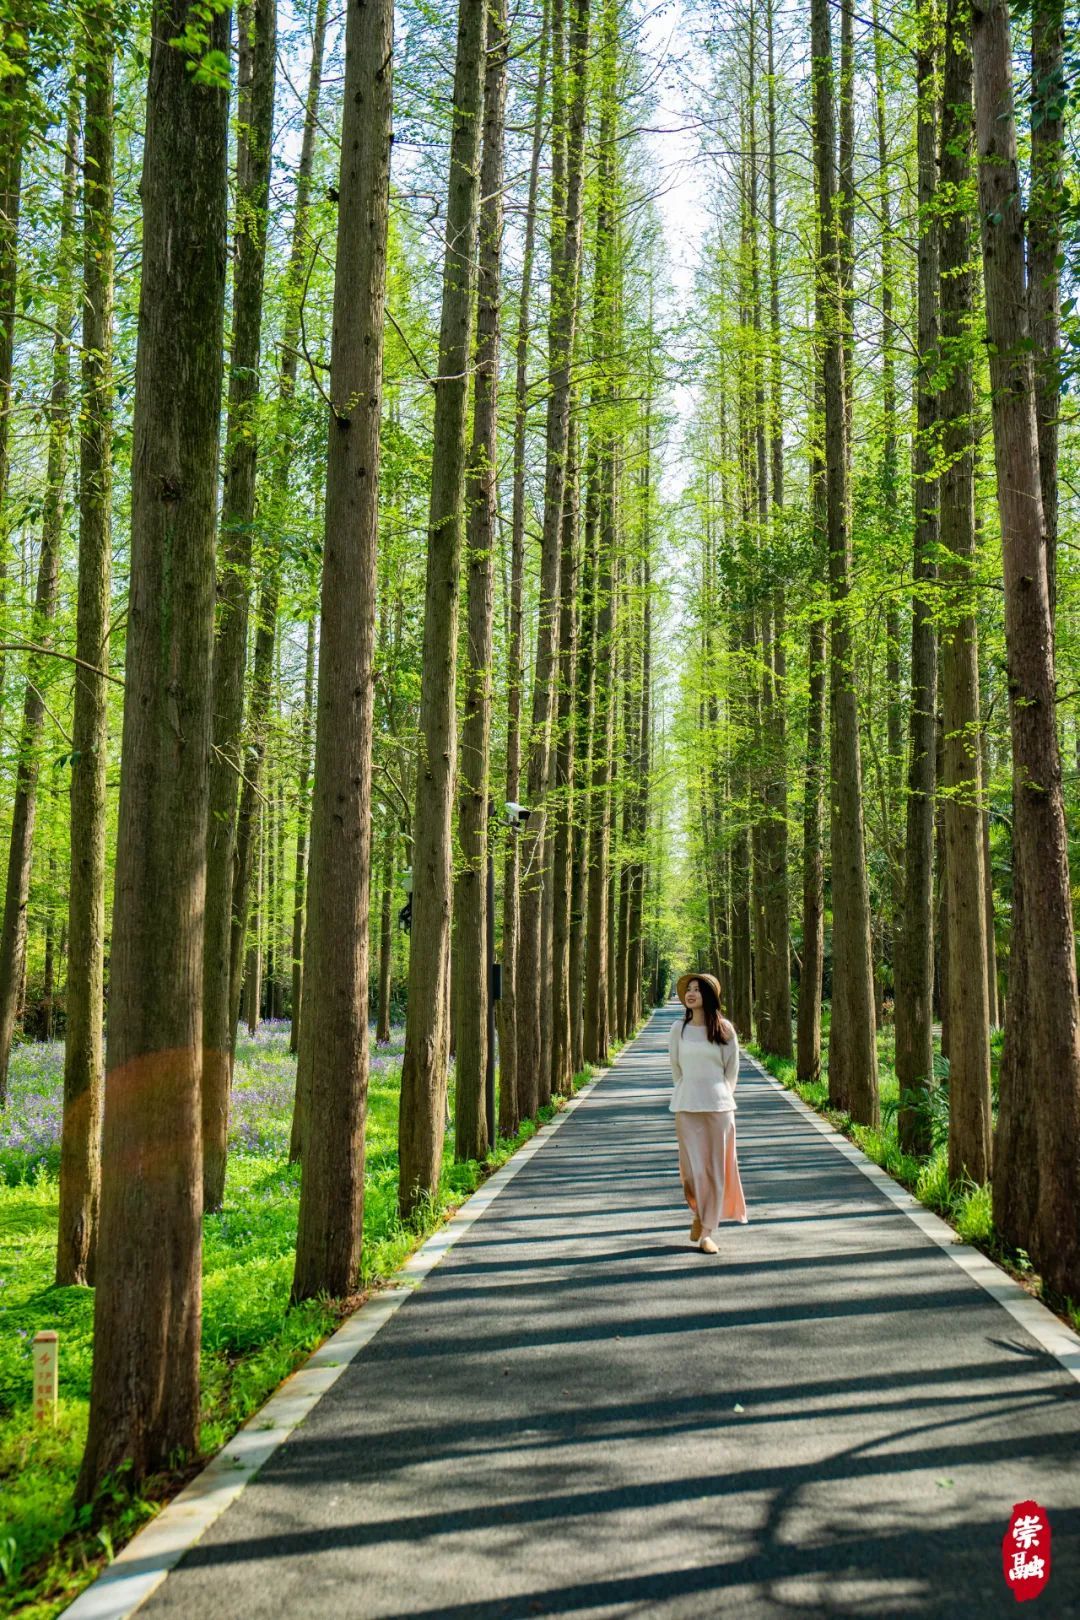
707 1246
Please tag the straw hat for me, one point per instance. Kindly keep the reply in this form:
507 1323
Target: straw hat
710 978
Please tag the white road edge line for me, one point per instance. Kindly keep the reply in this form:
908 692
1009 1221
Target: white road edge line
1035 1318
139 1569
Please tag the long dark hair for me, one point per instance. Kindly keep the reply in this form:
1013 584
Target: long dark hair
717 1028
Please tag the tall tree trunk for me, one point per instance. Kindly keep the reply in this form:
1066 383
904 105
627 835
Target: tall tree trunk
969 1019
754 494
846 218
1041 845
566 802
547 946
422 1115
24 809
1016 1153
808 1033
144 1398
915 939
606 287
15 106
634 1001
776 988
569 87
386 935
889 485
808 1043
741 1004
988 886
267 609
303 816
474 1132
270 892
48 977
509 1105
283 908
585 713
1045 208
332 1068
597 1031
253 961
80 1146
940 902
611 942
257 57
624 813
852 1045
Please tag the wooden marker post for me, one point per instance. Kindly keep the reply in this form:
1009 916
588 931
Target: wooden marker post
46 1376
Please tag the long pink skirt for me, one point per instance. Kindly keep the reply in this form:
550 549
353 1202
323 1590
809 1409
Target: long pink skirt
709 1168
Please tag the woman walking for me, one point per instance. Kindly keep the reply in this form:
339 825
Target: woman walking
705 1070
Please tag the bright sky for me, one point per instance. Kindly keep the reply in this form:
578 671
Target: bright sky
675 140
679 178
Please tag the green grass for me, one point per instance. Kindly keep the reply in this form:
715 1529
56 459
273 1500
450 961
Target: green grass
966 1206
251 1338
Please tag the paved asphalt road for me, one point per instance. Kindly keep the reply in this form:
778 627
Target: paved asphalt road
552 1425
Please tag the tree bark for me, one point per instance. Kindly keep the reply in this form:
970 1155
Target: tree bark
282 974
269 591
303 817
332 1068
606 297
509 1105
14 125
257 57
1044 248
422 1114
474 1132
597 1035
566 798
547 947
894 765
776 986
741 952
48 976
24 809
1016 1152
144 1399
853 1083
611 941
596 1026
989 930
569 100
808 1033
1053 1046
253 962
970 1121
624 812
386 935
914 966
634 1000
585 710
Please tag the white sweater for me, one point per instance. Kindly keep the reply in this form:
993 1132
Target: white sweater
705 1075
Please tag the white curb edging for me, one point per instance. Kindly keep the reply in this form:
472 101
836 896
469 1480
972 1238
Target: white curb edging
1035 1318
139 1569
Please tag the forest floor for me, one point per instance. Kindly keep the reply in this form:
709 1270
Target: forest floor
251 1338
579 1413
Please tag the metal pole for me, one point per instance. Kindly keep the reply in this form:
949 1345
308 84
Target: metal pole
489 1070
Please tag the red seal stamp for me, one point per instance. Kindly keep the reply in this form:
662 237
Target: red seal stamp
1025 1551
